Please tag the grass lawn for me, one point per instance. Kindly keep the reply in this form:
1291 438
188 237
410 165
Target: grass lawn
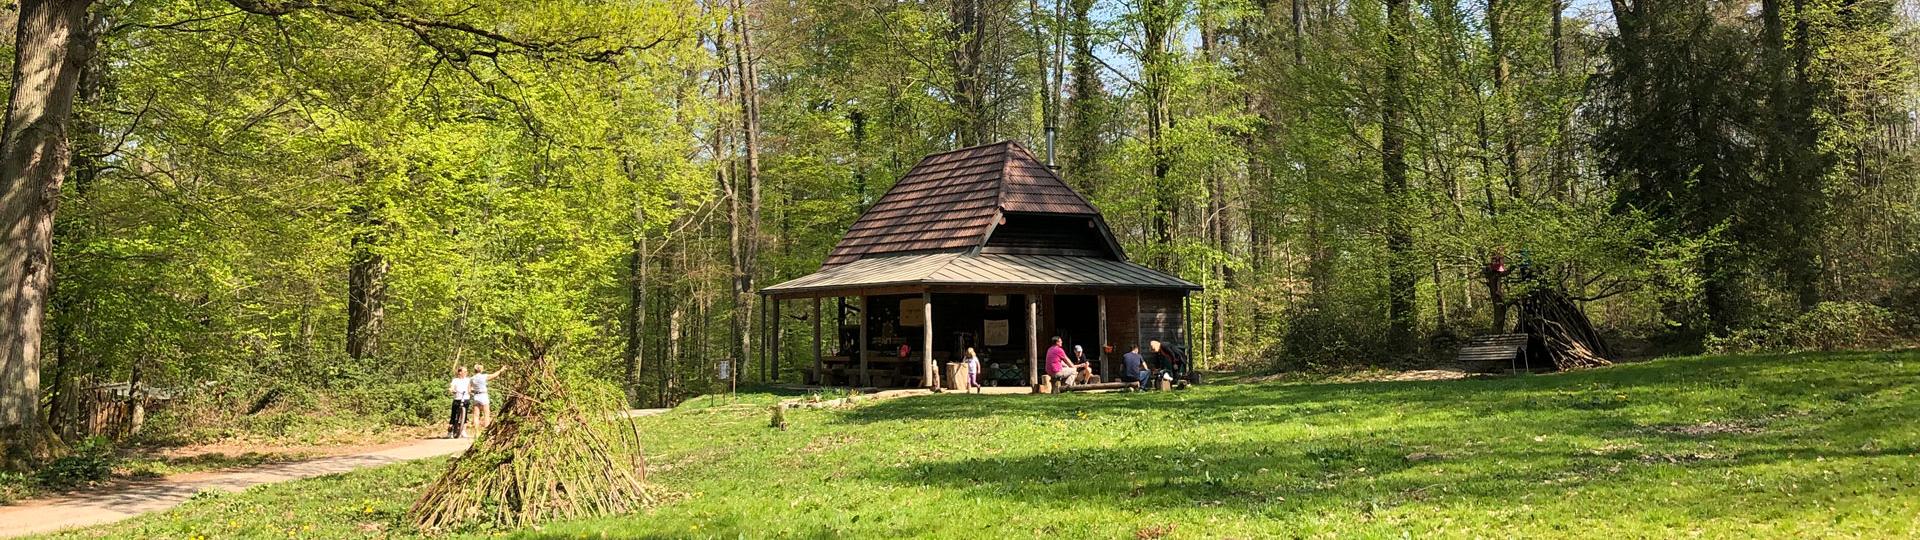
1799 446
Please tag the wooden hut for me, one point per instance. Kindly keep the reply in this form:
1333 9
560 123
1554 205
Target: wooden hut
981 247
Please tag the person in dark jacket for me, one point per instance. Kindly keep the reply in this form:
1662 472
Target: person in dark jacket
1134 368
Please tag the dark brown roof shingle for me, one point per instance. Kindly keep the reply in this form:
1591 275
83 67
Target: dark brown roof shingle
949 201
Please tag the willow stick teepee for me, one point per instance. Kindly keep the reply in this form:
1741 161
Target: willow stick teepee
546 456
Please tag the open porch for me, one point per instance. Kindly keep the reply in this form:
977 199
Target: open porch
897 321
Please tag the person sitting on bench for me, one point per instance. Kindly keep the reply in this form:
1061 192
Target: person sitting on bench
1084 365
1134 369
1063 372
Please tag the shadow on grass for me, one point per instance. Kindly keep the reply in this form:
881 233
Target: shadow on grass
1480 442
1781 375
1330 477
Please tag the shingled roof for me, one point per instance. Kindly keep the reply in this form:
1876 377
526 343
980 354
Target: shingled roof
950 202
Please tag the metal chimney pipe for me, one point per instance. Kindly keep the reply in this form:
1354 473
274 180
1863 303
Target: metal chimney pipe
1050 136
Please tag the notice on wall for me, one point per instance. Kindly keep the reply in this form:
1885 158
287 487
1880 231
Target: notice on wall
995 333
912 312
996 300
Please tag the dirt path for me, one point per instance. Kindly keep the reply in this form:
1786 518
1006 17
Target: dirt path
122 502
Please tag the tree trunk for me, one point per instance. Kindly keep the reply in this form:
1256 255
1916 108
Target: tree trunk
1497 42
635 319
1561 169
1157 20
366 288
745 260
968 38
749 78
1085 122
1402 273
34 155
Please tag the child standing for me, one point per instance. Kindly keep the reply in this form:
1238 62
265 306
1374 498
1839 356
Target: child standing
973 370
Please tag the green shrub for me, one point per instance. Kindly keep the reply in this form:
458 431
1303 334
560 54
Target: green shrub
1827 327
15 486
90 461
410 403
1333 336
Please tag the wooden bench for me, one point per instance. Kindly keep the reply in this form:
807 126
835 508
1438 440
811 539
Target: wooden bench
1493 353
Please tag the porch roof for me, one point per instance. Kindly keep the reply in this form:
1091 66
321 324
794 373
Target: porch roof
987 271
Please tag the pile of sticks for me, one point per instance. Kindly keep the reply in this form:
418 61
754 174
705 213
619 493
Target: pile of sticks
545 457
1558 325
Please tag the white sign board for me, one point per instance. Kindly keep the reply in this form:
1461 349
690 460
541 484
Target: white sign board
912 312
995 333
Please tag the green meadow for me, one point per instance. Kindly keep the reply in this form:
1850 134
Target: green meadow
1792 446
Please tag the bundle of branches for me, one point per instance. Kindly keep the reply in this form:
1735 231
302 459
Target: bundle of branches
1559 329
548 454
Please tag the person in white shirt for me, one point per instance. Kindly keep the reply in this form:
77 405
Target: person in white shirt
462 389
483 403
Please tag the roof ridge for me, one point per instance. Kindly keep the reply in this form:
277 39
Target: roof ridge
923 159
1050 174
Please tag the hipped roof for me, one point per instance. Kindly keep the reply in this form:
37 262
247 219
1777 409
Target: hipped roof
963 270
928 233
951 201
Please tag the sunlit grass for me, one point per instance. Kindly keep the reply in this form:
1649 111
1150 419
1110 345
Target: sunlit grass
1735 447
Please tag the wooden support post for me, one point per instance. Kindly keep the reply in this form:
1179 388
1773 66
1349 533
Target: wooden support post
1102 346
774 353
760 356
865 378
818 363
1186 321
1033 339
930 377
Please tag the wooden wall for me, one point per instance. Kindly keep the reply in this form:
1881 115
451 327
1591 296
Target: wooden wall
1160 318
1123 323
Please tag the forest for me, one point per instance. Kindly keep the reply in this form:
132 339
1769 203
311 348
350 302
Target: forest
244 199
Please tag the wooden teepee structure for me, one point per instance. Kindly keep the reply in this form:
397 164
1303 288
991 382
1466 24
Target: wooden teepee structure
546 456
1559 330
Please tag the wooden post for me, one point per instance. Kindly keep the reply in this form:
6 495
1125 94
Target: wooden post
1102 346
774 353
760 356
1186 320
1033 339
865 378
818 363
928 377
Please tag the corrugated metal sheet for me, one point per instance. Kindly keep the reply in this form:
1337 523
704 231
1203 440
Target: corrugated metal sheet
948 201
983 270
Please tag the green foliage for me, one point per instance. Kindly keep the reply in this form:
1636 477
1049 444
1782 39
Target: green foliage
90 460
16 486
416 403
557 181
1829 326
353 412
1333 336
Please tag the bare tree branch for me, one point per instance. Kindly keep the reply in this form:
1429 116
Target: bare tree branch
427 28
